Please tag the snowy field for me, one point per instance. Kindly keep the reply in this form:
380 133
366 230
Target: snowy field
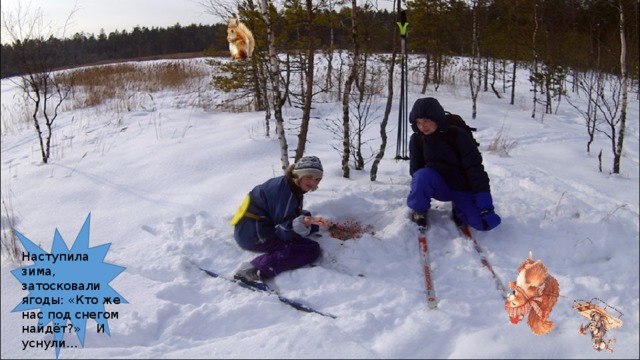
162 182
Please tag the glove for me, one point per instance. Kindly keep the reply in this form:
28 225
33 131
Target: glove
484 203
489 219
313 228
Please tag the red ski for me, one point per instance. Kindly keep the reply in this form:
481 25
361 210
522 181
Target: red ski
424 253
466 232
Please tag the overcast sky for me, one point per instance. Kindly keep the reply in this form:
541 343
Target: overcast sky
93 15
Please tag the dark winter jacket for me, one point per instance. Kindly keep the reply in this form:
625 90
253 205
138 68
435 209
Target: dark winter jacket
454 155
277 202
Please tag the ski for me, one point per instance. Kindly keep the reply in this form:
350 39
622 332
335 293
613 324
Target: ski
424 254
466 232
263 287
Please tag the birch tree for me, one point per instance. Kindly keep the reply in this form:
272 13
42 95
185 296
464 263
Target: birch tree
475 62
274 75
534 69
308 77
617 147
346 96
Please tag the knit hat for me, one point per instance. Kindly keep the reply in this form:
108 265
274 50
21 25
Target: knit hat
308 166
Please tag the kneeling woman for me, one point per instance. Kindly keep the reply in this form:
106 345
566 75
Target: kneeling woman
276 225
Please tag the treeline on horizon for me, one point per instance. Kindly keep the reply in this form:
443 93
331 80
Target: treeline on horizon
581 34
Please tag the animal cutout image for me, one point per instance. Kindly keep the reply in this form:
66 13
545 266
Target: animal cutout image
600 322
240 38
535 293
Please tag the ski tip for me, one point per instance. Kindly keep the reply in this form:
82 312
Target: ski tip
210 273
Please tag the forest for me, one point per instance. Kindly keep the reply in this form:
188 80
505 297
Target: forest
578 34
565 45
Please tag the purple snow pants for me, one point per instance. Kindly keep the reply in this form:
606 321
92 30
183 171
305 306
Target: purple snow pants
427 184
284 255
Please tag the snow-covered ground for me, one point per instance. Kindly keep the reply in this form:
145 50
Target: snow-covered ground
161 184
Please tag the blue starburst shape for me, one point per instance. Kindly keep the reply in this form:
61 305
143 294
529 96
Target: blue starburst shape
69 286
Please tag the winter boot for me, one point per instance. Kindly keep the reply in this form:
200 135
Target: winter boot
250 275
420 218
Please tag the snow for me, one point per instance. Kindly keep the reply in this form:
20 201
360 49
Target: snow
162 182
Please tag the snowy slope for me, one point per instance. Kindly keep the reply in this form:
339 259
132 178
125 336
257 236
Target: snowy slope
162 184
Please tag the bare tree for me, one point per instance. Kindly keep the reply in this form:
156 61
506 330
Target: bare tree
494 75
589 85
330 50
609 105
385 118
274 75
259 64
617 150
309 75
220 8
368 86
346 96
475 62
45 89
534 69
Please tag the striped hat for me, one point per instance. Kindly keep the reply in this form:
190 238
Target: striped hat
308 166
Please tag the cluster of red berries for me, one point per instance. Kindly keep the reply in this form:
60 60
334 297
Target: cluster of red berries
349 229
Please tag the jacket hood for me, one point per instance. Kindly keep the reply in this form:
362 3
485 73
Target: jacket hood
428 108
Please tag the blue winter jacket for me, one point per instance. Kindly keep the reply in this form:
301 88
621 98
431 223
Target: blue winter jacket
460 163
277 202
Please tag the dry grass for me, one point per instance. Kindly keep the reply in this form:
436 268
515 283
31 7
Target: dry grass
11 248
101 84
501 143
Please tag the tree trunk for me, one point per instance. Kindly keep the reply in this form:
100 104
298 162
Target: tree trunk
535 61
308 92
624 92
274 75
493 78
475 63
346 146
513 82
373 175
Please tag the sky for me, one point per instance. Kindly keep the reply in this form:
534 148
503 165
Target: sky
92 16
149 192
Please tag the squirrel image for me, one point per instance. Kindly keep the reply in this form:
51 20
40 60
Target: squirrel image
535 289
240 38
